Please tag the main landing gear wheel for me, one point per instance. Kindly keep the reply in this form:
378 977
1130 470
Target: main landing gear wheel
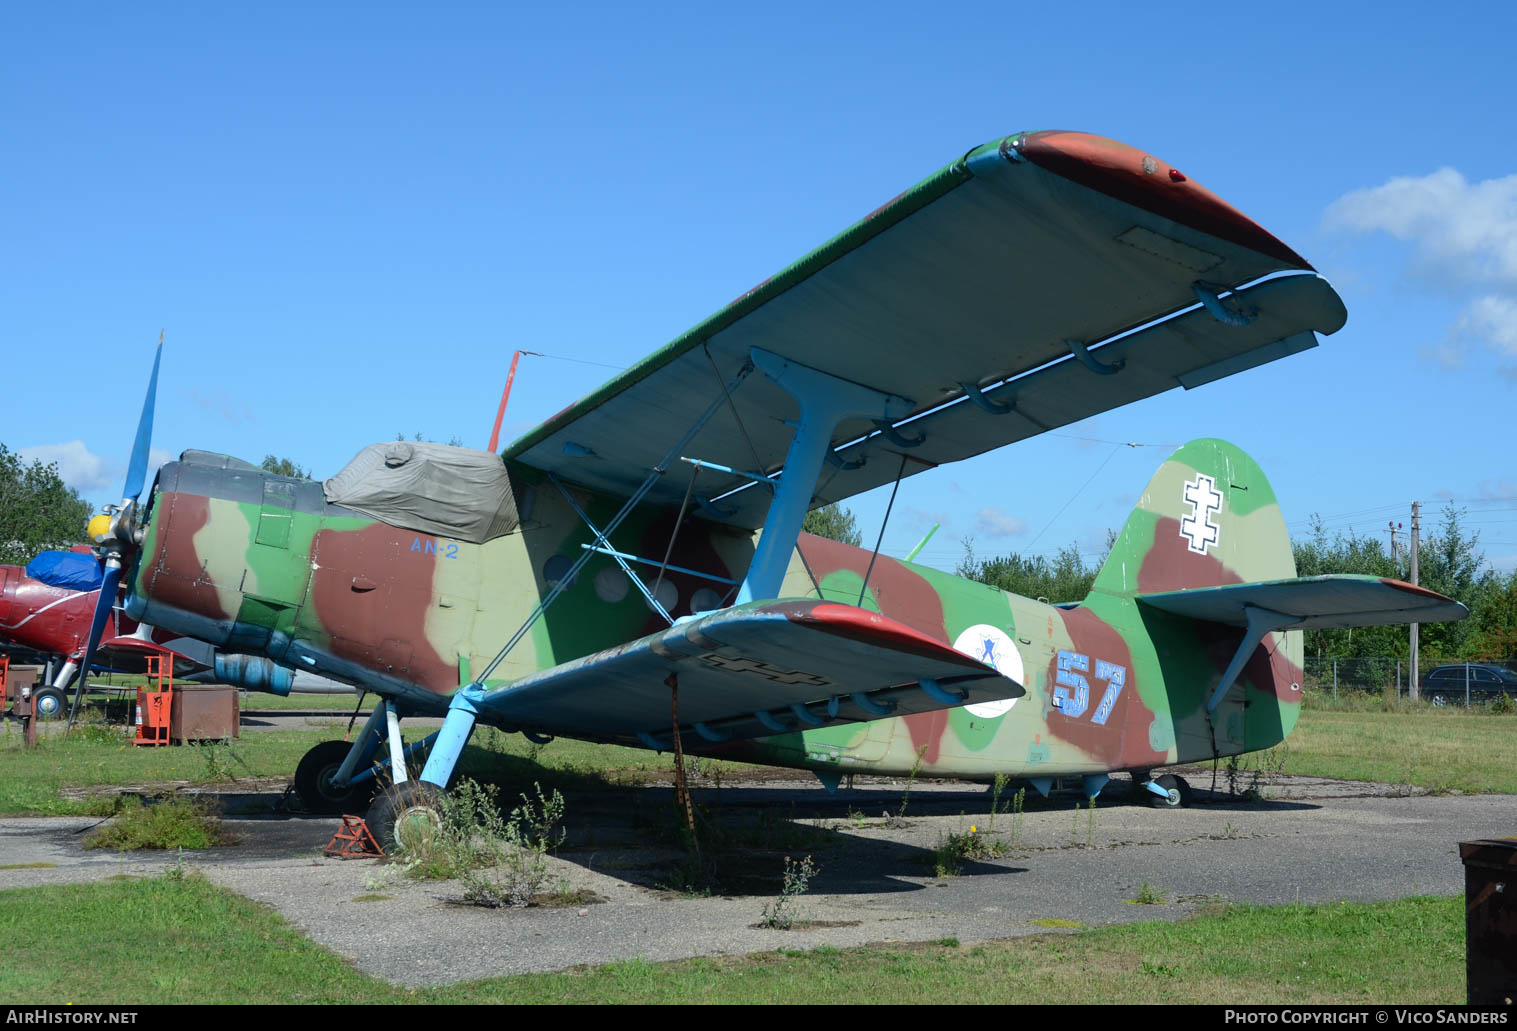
48 703
407 816
1177 793
313 782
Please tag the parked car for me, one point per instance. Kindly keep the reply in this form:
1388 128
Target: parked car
1445 684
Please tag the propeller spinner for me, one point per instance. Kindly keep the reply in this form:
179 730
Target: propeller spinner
115 532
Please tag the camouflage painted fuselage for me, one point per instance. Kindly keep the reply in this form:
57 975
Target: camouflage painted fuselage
262 564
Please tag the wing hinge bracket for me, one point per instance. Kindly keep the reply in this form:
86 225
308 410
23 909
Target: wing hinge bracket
1080 351
892 433
1207 294
975 394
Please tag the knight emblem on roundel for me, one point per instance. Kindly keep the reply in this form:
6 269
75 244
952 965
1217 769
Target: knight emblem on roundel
993 647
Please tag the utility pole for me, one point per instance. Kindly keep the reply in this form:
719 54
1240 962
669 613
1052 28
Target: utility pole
1413 688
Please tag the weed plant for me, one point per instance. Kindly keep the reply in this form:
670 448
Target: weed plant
899 819
953 849
500 860
783 912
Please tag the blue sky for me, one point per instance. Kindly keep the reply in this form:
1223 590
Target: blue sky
347 216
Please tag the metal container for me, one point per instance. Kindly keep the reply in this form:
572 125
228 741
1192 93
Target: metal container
205 712
1490 907
18 678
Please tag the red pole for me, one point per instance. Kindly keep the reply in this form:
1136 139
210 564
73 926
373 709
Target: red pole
504 394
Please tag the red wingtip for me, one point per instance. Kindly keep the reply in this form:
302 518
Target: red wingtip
1139 179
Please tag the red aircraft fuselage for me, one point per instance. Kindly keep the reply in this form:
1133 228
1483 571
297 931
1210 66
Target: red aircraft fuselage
54 620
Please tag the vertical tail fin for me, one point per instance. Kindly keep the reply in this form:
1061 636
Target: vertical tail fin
1207 518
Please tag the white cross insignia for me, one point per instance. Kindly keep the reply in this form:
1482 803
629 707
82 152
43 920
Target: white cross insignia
1198 528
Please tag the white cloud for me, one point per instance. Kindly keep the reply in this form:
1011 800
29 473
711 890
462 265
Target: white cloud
1492 319
1469 229
1464 236
78 468
992 522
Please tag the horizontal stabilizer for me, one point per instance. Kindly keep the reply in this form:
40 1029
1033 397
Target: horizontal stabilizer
752 671
1313 602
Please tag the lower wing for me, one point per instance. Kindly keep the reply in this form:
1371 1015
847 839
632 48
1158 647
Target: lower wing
752 671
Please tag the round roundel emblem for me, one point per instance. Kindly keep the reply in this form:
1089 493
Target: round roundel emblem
991 646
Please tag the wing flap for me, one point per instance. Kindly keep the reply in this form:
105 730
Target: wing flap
1310 603
752 671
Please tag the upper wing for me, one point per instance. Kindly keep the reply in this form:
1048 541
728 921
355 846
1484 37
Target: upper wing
750 671
1313 602
975 280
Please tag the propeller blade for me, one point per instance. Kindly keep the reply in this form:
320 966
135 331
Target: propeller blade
136 470
103 606
120 553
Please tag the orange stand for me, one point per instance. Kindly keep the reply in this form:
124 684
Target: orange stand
357 842
155 706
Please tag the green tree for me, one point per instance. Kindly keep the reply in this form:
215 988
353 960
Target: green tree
1065 578
38 511
1449 561
1494 620
1319 555
835 523
285 467
453 441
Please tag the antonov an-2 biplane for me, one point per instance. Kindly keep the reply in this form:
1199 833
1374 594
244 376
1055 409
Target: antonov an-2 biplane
634 568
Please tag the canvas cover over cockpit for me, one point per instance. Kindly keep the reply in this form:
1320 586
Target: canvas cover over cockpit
439 489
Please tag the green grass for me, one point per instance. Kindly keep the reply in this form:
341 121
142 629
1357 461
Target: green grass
171 823
340 705
166 940
1437 749
122 692
96 755
30 781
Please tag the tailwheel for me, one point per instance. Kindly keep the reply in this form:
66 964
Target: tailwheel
408 816
1177 793
313 782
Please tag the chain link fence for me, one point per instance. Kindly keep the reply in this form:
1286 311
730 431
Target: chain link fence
1473 683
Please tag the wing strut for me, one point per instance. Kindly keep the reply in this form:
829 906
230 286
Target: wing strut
1260 622
825 401
463 711
626 510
